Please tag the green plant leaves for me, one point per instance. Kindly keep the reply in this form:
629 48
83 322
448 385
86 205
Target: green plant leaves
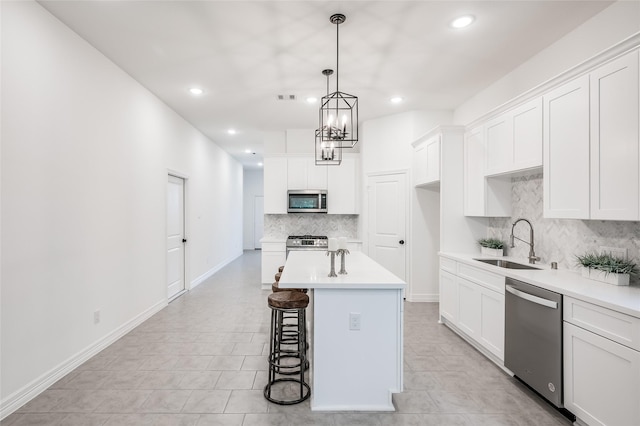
607 263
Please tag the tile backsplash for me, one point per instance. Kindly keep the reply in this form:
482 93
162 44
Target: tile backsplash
559 240
331 225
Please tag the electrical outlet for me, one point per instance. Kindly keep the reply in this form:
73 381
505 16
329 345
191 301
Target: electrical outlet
96 316
354 321
615 251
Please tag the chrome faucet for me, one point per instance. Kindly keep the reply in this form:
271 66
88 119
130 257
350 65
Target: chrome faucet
532 253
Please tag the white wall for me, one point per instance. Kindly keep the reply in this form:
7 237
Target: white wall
614 24
386 146
85 153
253 186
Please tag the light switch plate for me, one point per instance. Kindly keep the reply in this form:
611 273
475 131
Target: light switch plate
354 321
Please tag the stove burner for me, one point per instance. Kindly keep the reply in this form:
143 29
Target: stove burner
306 237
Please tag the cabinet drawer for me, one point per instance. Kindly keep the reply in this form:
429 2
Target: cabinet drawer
274 247
613 325
448 265
487 279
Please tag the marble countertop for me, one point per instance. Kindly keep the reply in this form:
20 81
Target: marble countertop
625 299
310 269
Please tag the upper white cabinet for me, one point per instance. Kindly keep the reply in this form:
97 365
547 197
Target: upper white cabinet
482 196
342 187
527 135
514 140
592 144
426 162
615 142
275 185
302 173
566 150
498 145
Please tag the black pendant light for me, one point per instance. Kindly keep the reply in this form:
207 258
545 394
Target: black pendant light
339 110
328 153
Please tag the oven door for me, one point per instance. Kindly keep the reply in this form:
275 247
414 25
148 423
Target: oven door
307 201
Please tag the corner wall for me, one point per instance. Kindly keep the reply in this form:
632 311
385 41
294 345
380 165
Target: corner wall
85 156
614 24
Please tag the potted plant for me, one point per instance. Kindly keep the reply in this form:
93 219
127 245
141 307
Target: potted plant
491 246
607 268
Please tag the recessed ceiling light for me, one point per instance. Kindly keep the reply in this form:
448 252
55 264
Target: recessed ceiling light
312 100
260 164
247 151
462 21
231 131
196 91
396 100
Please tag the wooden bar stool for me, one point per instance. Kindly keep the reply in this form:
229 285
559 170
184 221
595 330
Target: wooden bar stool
282 302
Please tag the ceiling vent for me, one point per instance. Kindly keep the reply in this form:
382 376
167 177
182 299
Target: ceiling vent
286 97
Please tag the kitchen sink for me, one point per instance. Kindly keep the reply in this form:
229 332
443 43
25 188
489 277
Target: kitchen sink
506 264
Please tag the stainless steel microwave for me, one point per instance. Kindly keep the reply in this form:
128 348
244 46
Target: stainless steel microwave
307 201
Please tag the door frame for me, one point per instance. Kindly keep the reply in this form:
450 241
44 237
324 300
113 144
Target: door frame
255 197
185 196
407 218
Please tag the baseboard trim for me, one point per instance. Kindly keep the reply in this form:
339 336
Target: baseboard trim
213 270
40 384
423 298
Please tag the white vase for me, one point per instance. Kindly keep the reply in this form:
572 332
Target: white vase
491 252
609 278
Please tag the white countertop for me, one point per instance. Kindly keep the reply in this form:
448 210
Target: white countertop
310 269
625 299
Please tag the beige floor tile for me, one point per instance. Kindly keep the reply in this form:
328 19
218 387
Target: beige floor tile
236 380
246 401
207 401
165 401
221 420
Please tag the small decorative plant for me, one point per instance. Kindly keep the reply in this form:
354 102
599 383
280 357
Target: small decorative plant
491 246
492 243
606 267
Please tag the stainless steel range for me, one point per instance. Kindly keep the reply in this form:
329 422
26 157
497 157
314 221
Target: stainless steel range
306 242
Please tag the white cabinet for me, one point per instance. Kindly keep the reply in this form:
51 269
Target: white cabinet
491 329
592 144
342 187
302 173
527 135
499 145
275 185
514 140
482 196
566 150
472 300
426 162
448 296
615 142
601 364
273 256
601 378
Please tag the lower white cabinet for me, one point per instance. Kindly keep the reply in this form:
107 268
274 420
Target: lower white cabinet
470 302
601 364
448 296
601 379
273 256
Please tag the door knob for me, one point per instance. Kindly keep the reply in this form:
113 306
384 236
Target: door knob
184 240
401 242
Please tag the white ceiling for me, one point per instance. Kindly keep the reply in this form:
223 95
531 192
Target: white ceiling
245 53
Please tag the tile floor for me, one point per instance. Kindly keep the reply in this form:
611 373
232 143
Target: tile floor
202 361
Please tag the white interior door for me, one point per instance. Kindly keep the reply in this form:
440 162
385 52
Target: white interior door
258 221
387 220
175 236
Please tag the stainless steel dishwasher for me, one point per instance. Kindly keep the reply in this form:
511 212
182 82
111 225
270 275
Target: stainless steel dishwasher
533 338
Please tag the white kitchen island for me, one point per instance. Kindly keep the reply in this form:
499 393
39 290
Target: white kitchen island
356 330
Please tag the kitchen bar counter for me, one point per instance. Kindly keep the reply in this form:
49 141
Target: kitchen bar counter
356 330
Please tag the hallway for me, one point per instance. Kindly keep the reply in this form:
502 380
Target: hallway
202 361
